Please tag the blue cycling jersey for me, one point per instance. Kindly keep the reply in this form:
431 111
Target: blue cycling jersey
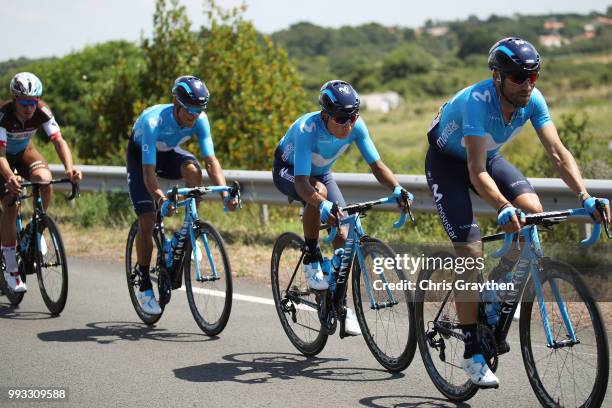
475 111
312 150
157 129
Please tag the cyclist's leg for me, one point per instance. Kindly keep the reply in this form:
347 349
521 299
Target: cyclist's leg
335 196
34 167
515 187
8 231
179 164
145 210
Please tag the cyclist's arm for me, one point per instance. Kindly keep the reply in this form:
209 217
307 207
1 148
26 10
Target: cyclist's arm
151 182
561 158
12 182
383 174
307 191
477 166
64 154
215 172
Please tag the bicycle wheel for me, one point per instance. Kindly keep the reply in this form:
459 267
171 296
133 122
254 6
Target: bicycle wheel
210 295
51 265
296 305
386 317
133 278
441 352
566 376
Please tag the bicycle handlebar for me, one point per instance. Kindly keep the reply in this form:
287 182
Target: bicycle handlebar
194 192
554 217
73 193
361 208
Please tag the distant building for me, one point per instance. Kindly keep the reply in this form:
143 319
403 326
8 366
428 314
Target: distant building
553 25
382 101
603 20
589 31
550 40
437 31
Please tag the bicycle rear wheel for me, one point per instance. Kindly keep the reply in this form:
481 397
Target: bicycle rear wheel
296 305
51 265
210 294
386 317
133 278
436 316
574 375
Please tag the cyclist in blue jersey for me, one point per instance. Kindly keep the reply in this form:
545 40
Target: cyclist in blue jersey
20 119
465 139
154 150
302 170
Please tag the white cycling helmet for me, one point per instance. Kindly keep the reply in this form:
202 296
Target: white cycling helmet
26 84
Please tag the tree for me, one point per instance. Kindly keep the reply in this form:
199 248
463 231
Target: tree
476 41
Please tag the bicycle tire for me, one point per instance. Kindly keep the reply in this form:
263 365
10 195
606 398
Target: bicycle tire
535 371
47 261
206 321
281 271
396 354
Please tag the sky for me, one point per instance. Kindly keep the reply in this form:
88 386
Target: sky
45 28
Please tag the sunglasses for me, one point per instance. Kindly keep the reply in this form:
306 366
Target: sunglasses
27 102
520 78
343 119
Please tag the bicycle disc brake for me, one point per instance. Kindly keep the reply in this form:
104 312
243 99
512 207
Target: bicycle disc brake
164 285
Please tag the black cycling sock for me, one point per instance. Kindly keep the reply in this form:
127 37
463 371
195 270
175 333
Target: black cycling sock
145 277
312 250
472 345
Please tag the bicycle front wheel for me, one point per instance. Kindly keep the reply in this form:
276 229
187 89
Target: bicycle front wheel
209 293
573 375
385 313
51 265
296 304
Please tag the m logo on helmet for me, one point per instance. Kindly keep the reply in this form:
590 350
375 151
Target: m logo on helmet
344 89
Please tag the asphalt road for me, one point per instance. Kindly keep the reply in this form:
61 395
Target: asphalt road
100 351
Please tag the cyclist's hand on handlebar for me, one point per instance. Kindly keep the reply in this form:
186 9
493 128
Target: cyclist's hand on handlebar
166 208
402 196
590 204
74 175
13 185
231 203
326 214
510 219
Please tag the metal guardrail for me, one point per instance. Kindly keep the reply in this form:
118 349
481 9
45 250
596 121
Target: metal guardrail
257 187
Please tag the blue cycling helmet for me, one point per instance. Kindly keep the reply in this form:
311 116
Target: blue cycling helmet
191 92
514 55
338 97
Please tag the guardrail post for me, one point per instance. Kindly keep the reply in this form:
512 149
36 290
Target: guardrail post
264 215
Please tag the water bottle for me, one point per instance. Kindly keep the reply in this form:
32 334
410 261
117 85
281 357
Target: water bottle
336 263
25 240
326 267
491 306
169 246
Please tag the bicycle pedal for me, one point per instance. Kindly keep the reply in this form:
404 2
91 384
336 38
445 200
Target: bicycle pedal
485 387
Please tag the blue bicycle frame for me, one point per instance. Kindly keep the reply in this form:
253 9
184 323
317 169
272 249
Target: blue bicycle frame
531 254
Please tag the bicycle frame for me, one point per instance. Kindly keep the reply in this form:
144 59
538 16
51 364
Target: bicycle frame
190 222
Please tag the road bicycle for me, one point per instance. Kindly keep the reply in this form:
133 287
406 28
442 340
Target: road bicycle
40 251
197 252
562 335
309 316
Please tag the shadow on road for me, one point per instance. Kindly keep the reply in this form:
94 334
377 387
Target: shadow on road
396 401
8 311
255 368
110 332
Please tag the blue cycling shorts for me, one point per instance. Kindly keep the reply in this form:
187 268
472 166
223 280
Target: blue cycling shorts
284 180
168 166
449 181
